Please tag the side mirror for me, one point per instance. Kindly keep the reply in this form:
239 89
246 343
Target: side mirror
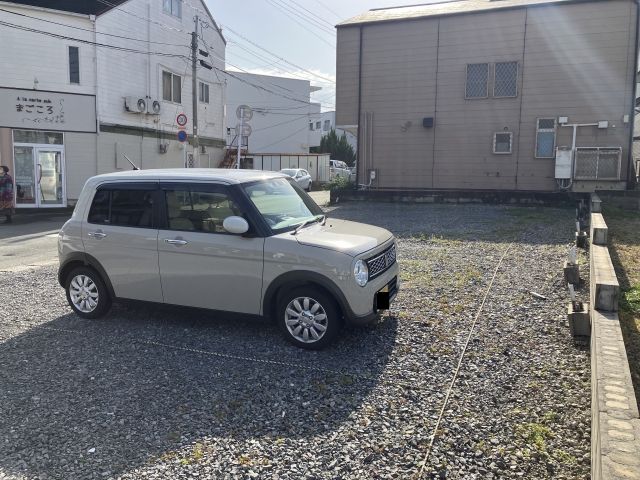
236 225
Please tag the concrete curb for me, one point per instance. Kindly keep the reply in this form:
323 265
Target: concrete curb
615 421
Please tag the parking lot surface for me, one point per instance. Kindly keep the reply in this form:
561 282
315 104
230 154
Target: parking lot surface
167 393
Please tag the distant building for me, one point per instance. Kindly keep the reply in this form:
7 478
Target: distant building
282 109
473 94
70 107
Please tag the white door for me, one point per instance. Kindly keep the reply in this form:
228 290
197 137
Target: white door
39 176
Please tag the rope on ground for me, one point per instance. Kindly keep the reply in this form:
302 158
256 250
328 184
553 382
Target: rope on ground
464 350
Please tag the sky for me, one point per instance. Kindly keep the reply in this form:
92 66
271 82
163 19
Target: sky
276 25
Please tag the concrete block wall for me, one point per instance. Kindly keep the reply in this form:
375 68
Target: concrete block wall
615 423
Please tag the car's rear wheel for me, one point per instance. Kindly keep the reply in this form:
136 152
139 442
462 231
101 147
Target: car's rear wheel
309 186
308 318
87 293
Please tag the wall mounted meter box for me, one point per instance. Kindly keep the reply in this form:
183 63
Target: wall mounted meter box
563 162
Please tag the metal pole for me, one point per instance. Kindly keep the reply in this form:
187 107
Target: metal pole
240 136
194 87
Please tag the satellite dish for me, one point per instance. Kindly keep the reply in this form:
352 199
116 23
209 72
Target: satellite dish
246 129
244 112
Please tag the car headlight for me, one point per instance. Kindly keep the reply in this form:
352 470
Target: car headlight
361 273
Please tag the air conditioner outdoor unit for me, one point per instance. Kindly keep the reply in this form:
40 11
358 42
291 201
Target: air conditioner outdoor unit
154 107
135 105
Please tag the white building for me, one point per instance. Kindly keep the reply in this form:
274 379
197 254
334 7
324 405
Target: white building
282 110
327 122
69 100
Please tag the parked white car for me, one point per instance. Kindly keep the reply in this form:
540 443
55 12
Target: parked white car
339 169
235 241
301 177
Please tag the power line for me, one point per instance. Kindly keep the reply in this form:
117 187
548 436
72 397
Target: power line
64 37
90 31
304 17
274 55
141 17
281 67
339 17
322 19
307 29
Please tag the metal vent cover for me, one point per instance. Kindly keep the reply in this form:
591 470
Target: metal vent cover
598 163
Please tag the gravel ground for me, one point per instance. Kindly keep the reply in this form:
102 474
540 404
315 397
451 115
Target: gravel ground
155 393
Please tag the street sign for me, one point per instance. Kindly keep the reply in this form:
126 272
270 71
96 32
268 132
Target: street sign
182 136
244 112
246 129
182 120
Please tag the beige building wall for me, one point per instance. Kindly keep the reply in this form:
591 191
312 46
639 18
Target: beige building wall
80 162
574 60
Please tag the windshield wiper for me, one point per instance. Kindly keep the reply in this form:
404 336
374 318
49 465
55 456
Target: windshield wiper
307 222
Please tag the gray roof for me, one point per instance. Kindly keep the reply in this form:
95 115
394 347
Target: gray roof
450 7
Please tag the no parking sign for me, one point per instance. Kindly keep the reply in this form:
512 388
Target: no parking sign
182 136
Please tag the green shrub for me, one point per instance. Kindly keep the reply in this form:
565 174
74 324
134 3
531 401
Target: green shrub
339 184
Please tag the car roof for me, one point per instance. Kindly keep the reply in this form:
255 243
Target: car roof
225 175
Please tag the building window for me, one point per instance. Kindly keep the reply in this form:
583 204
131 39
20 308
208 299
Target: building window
477 80
318 125
173 7
327 125
545 137
506 80
74 65
171 87
204 92
502 142
311 126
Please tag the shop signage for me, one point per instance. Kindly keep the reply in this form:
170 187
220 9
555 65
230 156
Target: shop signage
44 110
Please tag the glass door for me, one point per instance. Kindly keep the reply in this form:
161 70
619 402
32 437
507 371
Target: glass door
49 170
39 176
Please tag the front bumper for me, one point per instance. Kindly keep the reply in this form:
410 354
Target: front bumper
352 319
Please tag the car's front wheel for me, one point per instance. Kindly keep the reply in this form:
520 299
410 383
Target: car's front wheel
308 318
87 293
309 186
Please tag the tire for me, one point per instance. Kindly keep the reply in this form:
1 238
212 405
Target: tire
294 333
91 288
309 187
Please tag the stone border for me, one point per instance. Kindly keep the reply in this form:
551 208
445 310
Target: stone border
615 421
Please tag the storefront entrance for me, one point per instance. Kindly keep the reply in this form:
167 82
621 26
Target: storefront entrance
39 169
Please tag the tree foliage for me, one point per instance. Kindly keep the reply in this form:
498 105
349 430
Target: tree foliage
339 148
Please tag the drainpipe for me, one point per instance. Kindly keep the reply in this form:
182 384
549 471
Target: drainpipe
635 92
358 173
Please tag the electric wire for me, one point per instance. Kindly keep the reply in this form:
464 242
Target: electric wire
274 55
88 42
309 11
290 121
90 31
305 17
142 17
283 139
338 16
296 21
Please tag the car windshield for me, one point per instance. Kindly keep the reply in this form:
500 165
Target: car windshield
291 173
282 203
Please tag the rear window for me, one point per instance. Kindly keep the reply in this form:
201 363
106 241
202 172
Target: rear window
126 208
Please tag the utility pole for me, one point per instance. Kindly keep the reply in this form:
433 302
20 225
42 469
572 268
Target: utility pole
194 87
240 136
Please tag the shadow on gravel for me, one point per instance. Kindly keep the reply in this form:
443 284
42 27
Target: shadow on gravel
81 398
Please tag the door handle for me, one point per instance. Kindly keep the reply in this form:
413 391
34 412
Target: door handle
97 234
174 241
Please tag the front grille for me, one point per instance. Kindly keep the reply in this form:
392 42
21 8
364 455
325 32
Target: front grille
381 263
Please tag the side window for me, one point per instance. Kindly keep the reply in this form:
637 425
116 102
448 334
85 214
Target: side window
199 211
126 208
99 212
132 208
74 65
